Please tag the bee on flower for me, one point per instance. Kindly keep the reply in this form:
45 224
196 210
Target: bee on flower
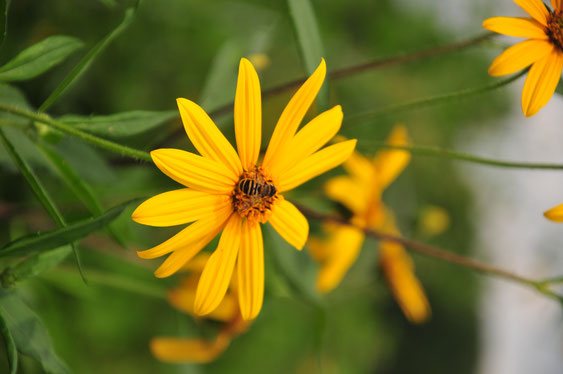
233 193
543 50
194 350
361 192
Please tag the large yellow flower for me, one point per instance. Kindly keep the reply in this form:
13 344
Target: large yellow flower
361 193
543 50
230 192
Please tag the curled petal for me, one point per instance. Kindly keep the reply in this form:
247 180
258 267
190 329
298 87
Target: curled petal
195 171
206 137
248 115
555 214
179 207
217 273
180 350
389 163
290 223
250 269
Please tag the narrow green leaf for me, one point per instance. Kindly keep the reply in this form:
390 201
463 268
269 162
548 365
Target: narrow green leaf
310 43
559 89
120 124
40 192
9 344
61 236
34 266
29 333
4 6
83 65
39 58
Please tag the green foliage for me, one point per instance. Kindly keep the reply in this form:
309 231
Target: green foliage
58 237
4 6
310 43
120 125
9 344
39 58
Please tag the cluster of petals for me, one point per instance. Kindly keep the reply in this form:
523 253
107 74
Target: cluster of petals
360 192
543 50
293 157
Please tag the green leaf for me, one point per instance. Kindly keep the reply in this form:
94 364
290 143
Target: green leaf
30 336
83 65
78 186
4 6
310 43
39 58
559 89
120 124
10 344
39 191
35 265
61 236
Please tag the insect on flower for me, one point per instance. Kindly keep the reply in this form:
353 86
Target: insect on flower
228 191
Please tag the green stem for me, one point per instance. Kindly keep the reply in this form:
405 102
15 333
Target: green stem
446 153
92 139
430 101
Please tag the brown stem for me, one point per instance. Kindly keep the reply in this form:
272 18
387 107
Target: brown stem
440 254
345 72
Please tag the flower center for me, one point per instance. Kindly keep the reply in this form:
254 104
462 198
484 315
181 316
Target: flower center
554 28
254 195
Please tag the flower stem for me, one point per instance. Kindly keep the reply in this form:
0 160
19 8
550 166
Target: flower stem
67 129
430 101
446 153
440 254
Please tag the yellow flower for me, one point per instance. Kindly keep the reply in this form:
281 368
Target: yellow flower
172 349
543 50
229 192
361 193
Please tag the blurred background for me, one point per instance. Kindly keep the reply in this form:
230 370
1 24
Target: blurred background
191 49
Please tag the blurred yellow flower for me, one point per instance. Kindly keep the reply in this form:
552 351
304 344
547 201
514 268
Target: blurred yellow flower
229 192
361 193
434 220
543 50
181 350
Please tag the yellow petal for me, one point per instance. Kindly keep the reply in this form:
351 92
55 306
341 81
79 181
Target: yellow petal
180 350
557 4
344 247
206 137
316 164
217 274
519 56
293 114
248 115
390 163
194 171
250 269
398 270
361 169
346 191
309 139
290 223
178 258
516 26
555 214
183 297
534 8
190 234
178 207
541 82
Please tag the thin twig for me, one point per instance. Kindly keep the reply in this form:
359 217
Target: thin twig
438 253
